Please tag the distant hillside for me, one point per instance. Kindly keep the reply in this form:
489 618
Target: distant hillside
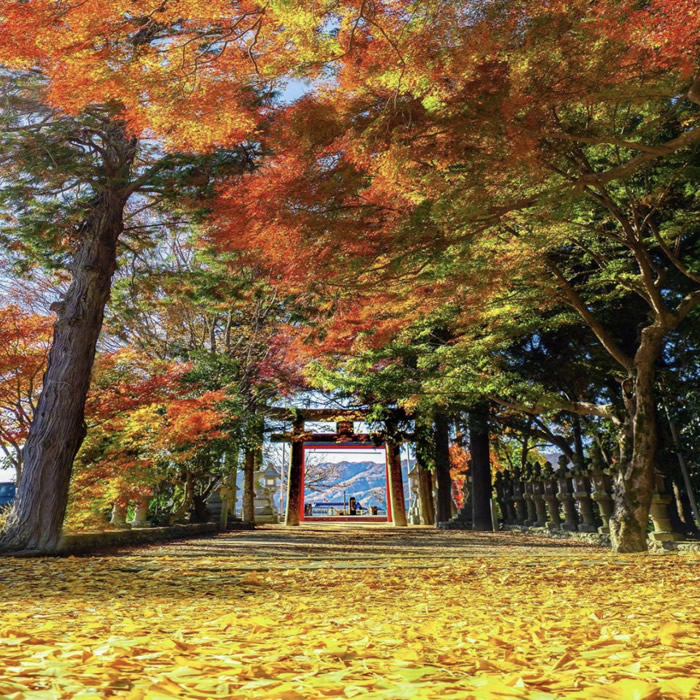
366 481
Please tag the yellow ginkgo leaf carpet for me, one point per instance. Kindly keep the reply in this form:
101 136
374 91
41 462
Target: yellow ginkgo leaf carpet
335 613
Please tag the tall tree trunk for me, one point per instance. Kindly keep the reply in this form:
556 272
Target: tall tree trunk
481 467
249 485
425 495
635 481
18 470
425 457
442 469
58 428
187 499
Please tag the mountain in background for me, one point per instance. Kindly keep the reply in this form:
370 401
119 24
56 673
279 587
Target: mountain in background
366 481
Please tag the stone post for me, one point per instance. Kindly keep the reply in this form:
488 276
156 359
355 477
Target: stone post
414 508
538 498
550 497
265 511
663 531
582 494
528 494
118 518
510 515
500 495
518 497
566 497
141 514
602 489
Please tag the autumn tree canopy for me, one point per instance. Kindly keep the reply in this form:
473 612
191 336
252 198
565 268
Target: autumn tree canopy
471 204
516 167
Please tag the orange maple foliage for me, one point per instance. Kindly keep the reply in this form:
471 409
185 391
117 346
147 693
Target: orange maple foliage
183 71
426 103
143 421
25 339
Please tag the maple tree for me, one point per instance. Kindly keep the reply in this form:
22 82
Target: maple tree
510 161
25 338
170 413
98 100
146 426
460 181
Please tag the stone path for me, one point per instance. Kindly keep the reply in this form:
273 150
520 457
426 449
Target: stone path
350 547
341 611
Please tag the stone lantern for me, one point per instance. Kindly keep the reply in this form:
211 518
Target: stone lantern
658 510
538 497
602 489
582 494
414 508
500 495
528 494
519 497
265 511
509 515
118 517
565 495
550 497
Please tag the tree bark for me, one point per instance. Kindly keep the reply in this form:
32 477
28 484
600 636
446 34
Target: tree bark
425 494
295 476
481 467
187 500
442 469
249 485
395 493
635 480
58 428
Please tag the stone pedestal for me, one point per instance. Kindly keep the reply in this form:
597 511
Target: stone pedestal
510 515
658 510
550 497
413 516
414 510
602 488
141 515
663 532
519 501
506 486
118 518
215 506
462 520
529 504
566 497
540 508
265 511
582 494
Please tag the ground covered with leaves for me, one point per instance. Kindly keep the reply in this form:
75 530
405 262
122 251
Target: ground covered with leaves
320 613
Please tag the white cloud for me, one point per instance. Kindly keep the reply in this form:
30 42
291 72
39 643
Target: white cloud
333 456
7 475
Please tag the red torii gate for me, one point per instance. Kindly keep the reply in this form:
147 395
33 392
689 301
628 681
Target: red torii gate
345 436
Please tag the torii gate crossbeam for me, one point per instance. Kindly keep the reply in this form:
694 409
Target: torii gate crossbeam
344 435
